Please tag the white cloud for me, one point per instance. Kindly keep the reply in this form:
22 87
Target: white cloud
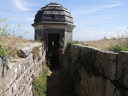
20 5
99 8
109 25
112 5
96 8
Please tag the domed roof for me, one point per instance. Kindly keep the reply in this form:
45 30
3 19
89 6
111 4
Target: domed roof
53 13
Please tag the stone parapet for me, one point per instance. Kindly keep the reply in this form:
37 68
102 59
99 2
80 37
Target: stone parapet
122 68
102 73
17 81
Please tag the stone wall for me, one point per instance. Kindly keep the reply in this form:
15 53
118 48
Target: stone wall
102 73
17 81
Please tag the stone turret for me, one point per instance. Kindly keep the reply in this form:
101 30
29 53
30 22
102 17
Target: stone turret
53 18
53 25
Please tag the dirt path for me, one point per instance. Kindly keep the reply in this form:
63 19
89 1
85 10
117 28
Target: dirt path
55 86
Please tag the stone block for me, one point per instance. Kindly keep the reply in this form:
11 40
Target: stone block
32 67
77 90
85 50
87 83
27 74
97 86
122 68
110 89
2 86
36 44
94 54
25 51
24 63
22 94
19 69
15 88
8 92
91 86
21 82
108 63
11 74
82 92
73 53
103 87
27 61
41 52
84 80
97 90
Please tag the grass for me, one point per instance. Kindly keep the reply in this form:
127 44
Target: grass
40 84
9 42
104 44
12 44
36 53
116 44
118 47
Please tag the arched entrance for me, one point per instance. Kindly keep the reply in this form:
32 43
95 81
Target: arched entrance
53 49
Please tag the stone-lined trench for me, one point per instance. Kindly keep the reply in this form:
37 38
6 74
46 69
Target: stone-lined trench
54 84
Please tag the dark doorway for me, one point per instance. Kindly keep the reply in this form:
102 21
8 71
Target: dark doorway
53 49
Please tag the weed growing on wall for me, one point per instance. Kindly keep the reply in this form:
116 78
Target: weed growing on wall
70 74
3 55
119 87
36 53
39 84
88 61
3 51
68 47
7 42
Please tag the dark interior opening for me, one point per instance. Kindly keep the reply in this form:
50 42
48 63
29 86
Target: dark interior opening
53 49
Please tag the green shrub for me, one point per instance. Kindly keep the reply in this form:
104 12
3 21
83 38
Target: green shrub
7 41
118 48
3 52
39 84
68 45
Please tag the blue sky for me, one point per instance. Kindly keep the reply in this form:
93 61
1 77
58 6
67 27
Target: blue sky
94 19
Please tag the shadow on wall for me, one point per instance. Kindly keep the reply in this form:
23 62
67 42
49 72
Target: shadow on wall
101 73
